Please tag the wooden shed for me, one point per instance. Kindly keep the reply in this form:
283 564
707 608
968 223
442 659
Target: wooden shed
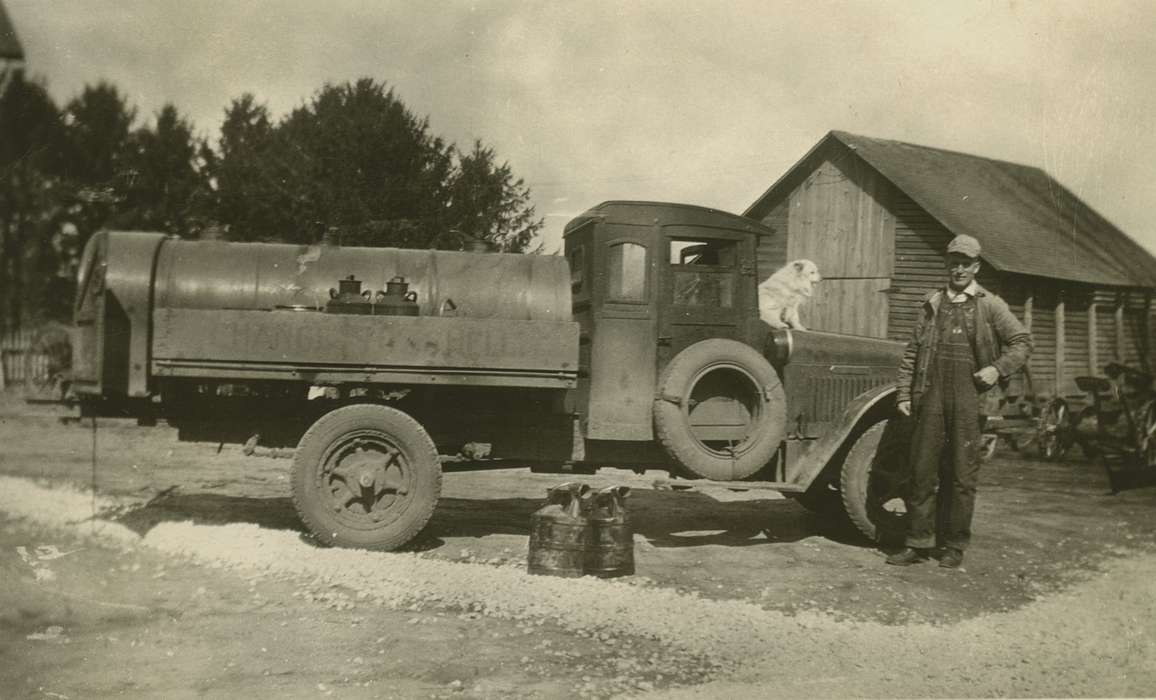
876 216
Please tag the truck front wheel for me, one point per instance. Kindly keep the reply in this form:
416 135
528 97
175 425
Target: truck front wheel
874 482
366 476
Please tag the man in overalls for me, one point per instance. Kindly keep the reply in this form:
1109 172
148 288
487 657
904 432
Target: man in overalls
966 342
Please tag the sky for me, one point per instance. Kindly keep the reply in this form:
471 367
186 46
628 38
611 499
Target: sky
689 101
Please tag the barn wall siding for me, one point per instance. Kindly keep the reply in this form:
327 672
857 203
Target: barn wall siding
1106 347
919 244
1151 319
1076 357
1134 341
772 250
1043 360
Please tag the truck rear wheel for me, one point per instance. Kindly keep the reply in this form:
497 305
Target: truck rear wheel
874 482
366 476
721 411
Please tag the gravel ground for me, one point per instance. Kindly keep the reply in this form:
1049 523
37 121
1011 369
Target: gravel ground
1097 638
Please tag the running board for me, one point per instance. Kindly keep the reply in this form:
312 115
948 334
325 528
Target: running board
780 486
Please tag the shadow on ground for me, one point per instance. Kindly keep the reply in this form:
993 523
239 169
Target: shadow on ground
664 518
213 509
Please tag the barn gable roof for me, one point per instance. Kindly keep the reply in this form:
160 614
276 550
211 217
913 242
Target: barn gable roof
9 44
1027 222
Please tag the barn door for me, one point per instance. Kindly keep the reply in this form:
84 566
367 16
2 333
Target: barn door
851 306
840 218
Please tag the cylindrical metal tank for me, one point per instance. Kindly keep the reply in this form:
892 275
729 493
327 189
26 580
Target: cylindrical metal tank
224 275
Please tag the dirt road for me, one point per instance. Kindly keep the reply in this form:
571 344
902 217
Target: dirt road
203 584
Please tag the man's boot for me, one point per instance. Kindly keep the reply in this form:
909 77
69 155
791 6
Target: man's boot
951 559
907 556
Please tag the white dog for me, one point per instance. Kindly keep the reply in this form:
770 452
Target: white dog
781 293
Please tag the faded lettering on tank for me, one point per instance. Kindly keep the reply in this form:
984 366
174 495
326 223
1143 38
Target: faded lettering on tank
313 338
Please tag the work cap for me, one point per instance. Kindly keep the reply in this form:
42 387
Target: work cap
964 244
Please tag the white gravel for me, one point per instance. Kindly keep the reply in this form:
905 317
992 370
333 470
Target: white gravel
1097 639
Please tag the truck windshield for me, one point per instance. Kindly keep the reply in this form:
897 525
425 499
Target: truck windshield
703 272
713 253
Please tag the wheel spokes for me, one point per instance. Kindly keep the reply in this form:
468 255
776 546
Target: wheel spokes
365 477
394 479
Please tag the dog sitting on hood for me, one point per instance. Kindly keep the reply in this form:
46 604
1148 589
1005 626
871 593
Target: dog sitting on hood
781 294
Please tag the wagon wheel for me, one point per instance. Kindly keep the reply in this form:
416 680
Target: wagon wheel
48 363
1053 426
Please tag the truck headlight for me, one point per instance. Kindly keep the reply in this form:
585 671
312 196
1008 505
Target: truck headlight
779 346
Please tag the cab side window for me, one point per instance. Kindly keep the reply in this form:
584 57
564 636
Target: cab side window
577 259
626 272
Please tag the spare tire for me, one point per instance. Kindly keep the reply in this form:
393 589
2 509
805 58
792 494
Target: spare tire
721 411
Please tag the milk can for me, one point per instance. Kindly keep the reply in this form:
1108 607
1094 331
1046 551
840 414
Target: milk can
558 533
396 299
610 548
348 298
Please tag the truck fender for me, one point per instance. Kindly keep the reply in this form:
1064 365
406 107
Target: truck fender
812 463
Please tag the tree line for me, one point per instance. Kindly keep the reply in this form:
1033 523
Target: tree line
352 162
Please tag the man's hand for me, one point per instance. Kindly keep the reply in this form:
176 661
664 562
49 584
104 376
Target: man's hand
987 376
904 407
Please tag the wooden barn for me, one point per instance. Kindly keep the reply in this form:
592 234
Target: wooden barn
876 216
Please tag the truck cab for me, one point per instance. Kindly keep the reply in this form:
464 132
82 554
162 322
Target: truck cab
648 280
673 358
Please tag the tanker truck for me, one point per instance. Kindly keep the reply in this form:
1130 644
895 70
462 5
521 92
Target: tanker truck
640 348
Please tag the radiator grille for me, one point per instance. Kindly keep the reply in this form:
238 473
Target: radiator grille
827 396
